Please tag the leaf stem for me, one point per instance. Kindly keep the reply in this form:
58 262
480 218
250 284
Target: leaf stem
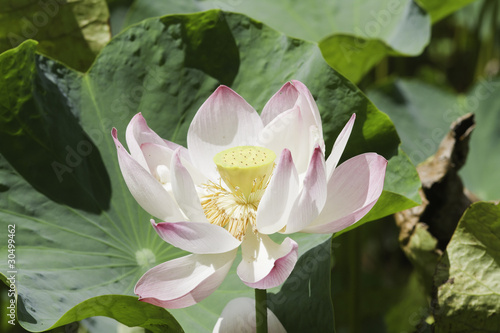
261 310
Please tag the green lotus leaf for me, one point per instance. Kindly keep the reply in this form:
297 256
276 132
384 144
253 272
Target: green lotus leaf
70 31
467 278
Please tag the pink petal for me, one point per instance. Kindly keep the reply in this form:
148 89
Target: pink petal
339 146
264 263
146 190
276 203
353 190
184 281
239 316
288 130
157 155
184 190
292 121
183 151
282 101
138 132
312 197
225 120
195 237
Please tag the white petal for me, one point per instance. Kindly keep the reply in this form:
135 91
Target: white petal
288 130
239 316
225 120
157 155
264 263
308 105
353 190
146 190
184 190
138 132
184 281
312 197
195 237
339 146
276 203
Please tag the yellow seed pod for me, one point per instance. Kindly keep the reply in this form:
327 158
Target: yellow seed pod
245 168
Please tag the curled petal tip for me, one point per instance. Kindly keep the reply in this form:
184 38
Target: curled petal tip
138 115
273 264
114 134
301 87
223 92
223 89
138 118
350 122
177 156
282 269
288 85
286 155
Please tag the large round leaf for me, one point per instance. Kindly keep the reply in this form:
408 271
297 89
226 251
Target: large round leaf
468 277
77 232
421 112
354 35
80 235
304 302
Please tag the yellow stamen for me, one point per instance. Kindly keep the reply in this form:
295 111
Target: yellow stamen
246 171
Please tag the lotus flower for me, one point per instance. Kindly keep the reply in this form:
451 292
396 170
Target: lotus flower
242 178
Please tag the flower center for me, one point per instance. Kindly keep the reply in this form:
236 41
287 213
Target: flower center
245 168
145 258
246 171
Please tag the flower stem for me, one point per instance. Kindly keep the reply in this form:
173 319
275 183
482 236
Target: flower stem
261 310
353 241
